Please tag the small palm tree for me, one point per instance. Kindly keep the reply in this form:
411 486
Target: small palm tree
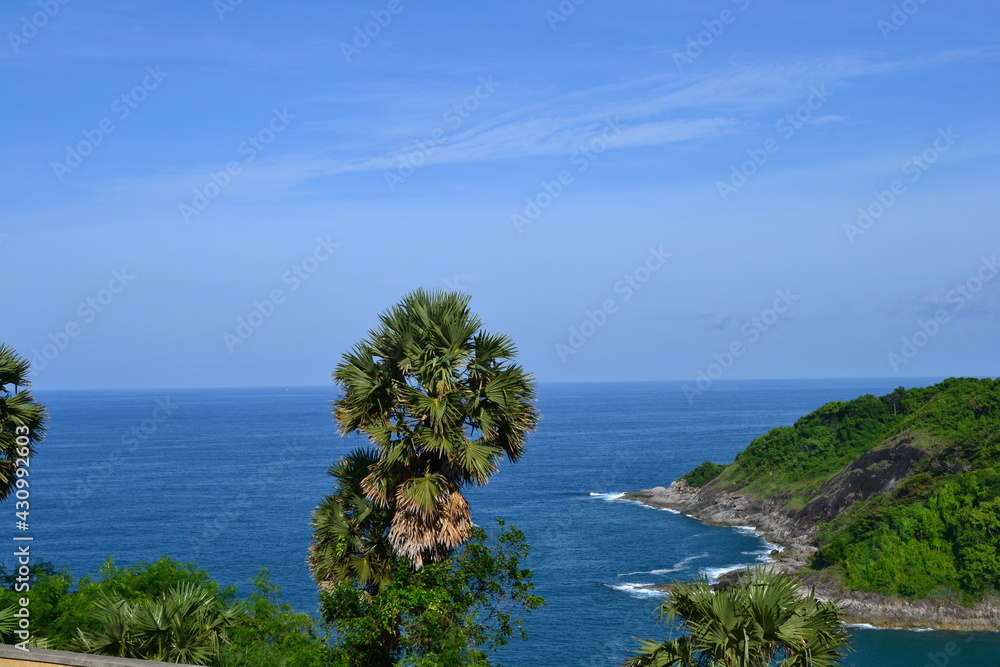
185 625
349 530
443 402
761 621
22 419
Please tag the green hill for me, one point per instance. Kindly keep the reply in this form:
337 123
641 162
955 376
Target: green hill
904 488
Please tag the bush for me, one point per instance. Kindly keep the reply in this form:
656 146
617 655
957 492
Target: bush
703 474
453 612
265 631
272 634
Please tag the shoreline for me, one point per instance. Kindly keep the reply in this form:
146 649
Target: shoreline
794 542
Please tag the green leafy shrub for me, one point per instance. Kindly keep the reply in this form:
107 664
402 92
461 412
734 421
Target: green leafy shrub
703 474
451 613
120 613
272 634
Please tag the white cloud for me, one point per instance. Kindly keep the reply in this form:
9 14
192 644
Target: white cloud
655 110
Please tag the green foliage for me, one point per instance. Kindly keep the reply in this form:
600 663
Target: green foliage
930 535
405 576
349 529
443 402
22 420
50 607
703 474
962 411
8 624
938 533
169 609
272 634
450 613
818 444
59 605
760 621
187 625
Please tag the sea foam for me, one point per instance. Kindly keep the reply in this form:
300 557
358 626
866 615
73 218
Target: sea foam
608 496
637 590
676 567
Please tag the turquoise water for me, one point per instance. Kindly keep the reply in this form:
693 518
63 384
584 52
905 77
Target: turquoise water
228 478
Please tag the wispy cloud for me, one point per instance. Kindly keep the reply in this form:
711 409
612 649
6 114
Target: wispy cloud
977 296
654 110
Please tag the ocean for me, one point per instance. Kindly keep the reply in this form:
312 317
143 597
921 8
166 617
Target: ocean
228 478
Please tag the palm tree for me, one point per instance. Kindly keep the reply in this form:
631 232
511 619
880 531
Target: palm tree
351 548
762 620
443 402
187 624
349 530
22 420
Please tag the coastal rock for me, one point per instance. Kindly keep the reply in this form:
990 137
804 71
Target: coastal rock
873 473
795 532
718 507
889 612
676 497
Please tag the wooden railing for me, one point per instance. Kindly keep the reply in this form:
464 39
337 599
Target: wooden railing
11 656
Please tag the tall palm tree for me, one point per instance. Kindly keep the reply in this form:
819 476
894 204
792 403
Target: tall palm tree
762 620
20 417
443 402
349 530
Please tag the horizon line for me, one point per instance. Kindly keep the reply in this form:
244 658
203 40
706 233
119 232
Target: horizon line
933 378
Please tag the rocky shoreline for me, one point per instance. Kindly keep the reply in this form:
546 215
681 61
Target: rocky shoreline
795 537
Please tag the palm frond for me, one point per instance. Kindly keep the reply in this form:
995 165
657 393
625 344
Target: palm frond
759 620
442 401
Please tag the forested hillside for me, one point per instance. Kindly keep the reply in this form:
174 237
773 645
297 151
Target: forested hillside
905 488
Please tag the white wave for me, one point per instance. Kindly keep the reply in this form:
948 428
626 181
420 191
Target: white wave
618 496
713 573
868 626
771 546
759 554
650 507
763 556
637 590
676 567
756 532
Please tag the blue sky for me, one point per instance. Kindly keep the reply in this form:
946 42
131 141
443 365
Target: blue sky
226 194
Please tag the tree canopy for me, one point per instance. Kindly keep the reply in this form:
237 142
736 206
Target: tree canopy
443 402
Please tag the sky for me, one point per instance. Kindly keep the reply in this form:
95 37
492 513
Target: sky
228 193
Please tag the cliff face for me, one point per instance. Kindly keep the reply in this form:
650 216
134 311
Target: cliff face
873 473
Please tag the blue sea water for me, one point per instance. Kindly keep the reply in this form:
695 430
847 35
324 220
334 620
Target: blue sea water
228 478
